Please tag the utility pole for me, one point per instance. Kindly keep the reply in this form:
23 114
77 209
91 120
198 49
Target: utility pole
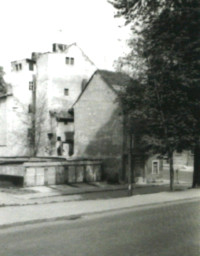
130 167
33 117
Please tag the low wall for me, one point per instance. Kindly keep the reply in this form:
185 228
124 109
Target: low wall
49 173
12 169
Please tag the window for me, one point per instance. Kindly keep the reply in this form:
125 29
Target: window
72 61
71 149
155 167
30 86
69 61
31 66
50 136
18 67
66 91
30 108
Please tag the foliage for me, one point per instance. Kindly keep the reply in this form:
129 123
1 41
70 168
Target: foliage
30 137
166 37
2 81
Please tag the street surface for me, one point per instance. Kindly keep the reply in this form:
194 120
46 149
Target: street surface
163 230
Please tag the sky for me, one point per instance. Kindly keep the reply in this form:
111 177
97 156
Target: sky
34 25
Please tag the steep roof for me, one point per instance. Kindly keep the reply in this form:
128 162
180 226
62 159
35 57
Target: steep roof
115 80
82 52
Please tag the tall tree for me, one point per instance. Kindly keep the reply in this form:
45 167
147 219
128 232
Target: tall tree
166 36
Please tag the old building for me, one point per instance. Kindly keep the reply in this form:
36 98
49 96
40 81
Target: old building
101 132
99 122
48 83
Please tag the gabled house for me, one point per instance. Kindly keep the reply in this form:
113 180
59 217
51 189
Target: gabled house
99 123
100 132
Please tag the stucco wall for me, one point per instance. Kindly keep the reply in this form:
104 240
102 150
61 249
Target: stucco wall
15 120
16 117
98 126
20 83
53 70
53 76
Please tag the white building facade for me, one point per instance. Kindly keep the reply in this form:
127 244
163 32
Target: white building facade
58 78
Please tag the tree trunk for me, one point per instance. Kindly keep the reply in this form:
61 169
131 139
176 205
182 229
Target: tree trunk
196 173
33 141
130 169
171 170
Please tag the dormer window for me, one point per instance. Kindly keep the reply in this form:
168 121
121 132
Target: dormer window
69 61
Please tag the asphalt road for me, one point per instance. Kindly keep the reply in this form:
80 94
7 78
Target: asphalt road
158 231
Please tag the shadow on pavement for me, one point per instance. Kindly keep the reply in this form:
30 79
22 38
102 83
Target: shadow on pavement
140 190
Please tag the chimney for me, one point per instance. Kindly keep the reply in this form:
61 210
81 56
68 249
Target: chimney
35 55
59 47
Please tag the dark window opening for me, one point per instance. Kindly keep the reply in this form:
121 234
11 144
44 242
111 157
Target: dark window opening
30 110
31 86
67 60
31 66
18 67
66 91
50 136
59 146
71 149
72 61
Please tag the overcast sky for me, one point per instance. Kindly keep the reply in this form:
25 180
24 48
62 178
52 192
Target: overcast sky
33 25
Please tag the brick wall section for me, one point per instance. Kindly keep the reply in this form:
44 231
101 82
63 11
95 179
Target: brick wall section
99 127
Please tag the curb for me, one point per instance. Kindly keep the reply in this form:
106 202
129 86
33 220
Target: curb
79 216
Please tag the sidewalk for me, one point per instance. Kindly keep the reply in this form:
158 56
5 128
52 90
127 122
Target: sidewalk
18 215
14 196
